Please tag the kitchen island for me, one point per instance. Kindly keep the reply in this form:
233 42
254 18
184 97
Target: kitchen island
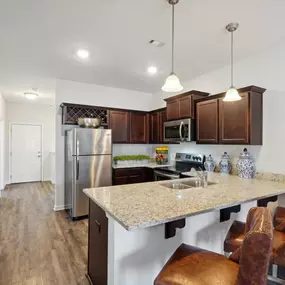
135 228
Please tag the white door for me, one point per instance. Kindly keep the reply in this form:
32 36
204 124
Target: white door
2 151
26 153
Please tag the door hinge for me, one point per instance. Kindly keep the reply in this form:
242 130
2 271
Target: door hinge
10 153
11 177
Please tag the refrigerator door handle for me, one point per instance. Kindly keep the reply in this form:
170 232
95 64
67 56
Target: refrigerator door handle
77 167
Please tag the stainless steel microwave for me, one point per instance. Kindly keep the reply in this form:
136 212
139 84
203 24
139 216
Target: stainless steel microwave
179 131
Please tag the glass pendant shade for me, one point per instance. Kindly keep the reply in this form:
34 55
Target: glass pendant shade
232 95
172 84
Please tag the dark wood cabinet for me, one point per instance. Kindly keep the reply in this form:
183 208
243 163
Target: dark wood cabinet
156 126
72 112
119 123
234 121
123 176
182 106
238 122
185 107
97 245
172 109
139 127
161 125
207 122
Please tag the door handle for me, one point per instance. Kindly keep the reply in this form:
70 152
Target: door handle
98 225
180 131
77 167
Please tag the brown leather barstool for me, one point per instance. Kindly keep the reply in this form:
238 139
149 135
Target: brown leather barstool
195 266
236 234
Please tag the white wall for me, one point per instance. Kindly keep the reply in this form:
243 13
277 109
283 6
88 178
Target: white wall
34 114
2 141
90 94
266 70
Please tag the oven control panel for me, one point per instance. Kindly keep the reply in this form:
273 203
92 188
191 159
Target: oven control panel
188 157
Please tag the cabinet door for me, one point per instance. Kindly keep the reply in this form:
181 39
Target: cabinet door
149 174
234 121
162 119
185 107
97 245
172 109
154 127
119 123
207 122
138 127
122 180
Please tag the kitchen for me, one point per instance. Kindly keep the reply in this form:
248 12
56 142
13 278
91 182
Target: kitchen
118 211
131 126
110 61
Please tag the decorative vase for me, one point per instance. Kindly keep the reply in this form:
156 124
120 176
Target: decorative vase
245 165
225 163
209 163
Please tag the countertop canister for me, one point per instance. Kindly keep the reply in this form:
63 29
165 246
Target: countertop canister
209 163
225 163
246 165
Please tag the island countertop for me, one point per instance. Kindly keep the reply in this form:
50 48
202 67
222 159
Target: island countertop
144 205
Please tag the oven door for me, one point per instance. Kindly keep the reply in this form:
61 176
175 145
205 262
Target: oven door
178 131
160 175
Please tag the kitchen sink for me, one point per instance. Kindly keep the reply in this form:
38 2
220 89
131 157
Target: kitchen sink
185 185
177 186
196 183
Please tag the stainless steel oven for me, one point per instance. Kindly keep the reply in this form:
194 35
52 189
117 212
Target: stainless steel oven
179 131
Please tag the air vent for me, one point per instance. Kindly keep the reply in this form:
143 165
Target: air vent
156 43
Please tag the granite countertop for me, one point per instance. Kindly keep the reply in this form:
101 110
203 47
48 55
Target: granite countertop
148 204
133 165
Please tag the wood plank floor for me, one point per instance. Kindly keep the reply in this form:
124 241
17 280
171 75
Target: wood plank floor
37 245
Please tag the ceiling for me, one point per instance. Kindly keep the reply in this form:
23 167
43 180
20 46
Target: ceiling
39 40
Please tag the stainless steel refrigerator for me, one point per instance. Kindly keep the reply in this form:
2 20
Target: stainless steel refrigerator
88 164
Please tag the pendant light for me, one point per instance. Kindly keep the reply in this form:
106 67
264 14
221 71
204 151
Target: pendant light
232 93
172 83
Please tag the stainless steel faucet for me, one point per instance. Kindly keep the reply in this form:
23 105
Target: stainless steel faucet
203 176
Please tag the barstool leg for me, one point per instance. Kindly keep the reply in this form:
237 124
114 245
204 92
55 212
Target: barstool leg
274 277
227 254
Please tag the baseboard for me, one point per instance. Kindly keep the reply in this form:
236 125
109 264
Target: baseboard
59 208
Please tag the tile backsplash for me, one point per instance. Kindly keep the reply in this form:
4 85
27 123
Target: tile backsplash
132 149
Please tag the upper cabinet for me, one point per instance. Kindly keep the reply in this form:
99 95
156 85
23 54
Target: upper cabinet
72 112
156 125
119 123
234 121
182 106
172 109
139 127
238 122
208 122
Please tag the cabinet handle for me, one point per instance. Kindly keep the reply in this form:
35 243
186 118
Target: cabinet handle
98 225
134 176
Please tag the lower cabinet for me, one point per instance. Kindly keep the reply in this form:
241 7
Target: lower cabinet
123 176
97 245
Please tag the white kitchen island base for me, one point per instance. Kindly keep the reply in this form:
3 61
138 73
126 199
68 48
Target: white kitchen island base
136 257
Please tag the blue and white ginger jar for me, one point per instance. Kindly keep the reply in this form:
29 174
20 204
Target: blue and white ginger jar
209 163
245 165
225 164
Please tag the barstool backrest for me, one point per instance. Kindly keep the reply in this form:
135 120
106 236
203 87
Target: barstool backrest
256 249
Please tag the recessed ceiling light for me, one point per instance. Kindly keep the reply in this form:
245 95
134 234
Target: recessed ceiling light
31 95
152 70
83 54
